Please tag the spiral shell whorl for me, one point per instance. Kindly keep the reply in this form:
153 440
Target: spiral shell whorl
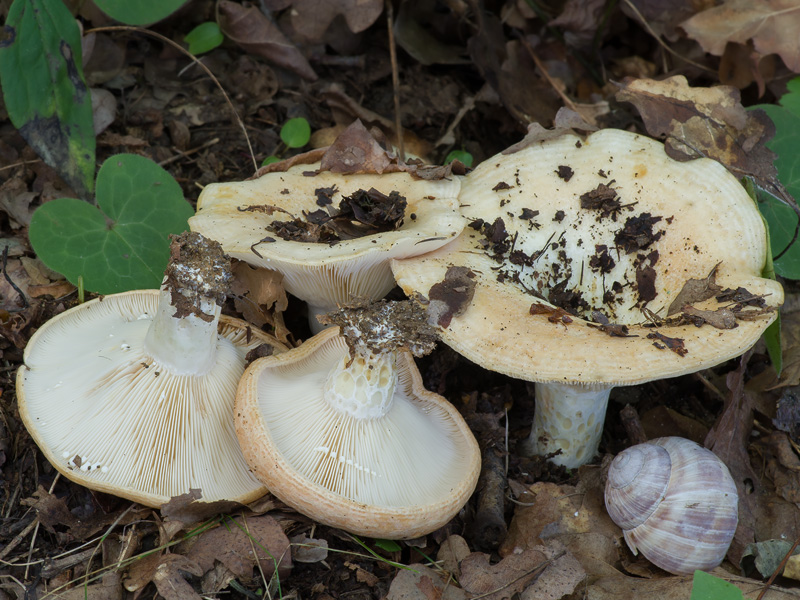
695 520
637 481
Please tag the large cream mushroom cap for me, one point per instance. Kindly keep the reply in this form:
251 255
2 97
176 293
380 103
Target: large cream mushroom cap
110 417
327 275
706 218
606 229
398 475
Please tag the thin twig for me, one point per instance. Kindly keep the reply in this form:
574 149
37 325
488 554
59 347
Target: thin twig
566 99
187 153
208 72
395 80
661 42
21 163
19 537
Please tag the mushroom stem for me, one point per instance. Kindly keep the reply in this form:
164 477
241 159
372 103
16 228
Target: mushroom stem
567 418
314 311
183 334
186 345
363 386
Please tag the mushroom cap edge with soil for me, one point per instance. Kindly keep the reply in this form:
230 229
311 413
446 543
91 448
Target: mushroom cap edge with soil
324 438
575 364
125 398
326 275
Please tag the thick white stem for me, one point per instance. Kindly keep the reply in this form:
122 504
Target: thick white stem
314 311
187 345
364 388
568 418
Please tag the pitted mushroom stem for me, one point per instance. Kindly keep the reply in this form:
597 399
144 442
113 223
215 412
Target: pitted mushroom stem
363 386
567 418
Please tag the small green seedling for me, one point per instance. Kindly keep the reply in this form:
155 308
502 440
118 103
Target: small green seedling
122 243
204 38
708 587
141 12
295 133
461 155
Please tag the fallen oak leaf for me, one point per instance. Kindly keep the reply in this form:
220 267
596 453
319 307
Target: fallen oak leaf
257 34
695 290
169 581
772 26
722 318
706 122
241 542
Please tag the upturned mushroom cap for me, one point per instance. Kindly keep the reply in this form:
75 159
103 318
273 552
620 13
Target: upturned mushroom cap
112 418
589 250
399 475
326 274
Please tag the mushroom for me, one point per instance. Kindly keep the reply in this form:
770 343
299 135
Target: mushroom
594 263
342 429
286 221
132 394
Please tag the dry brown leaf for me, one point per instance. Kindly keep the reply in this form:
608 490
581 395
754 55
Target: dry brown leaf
661 16
240 542
559 579
772 25
189 508
728 439
308 550
260 296
257 34
418 582
574 516
15 201
169 581
57 289
580 19
311 18
695 290
141 571
708 122
502 580
356 151
452 551
109 588
508 68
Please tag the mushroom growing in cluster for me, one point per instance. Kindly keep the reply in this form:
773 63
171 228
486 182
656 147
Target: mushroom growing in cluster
331 234
132 394
342 429
597 262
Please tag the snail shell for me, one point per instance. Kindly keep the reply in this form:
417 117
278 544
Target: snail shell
675 501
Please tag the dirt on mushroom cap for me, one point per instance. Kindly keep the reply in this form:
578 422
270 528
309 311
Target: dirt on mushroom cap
622 251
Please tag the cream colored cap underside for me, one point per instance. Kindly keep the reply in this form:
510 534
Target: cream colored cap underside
706 218
397 476
87 390
220 216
